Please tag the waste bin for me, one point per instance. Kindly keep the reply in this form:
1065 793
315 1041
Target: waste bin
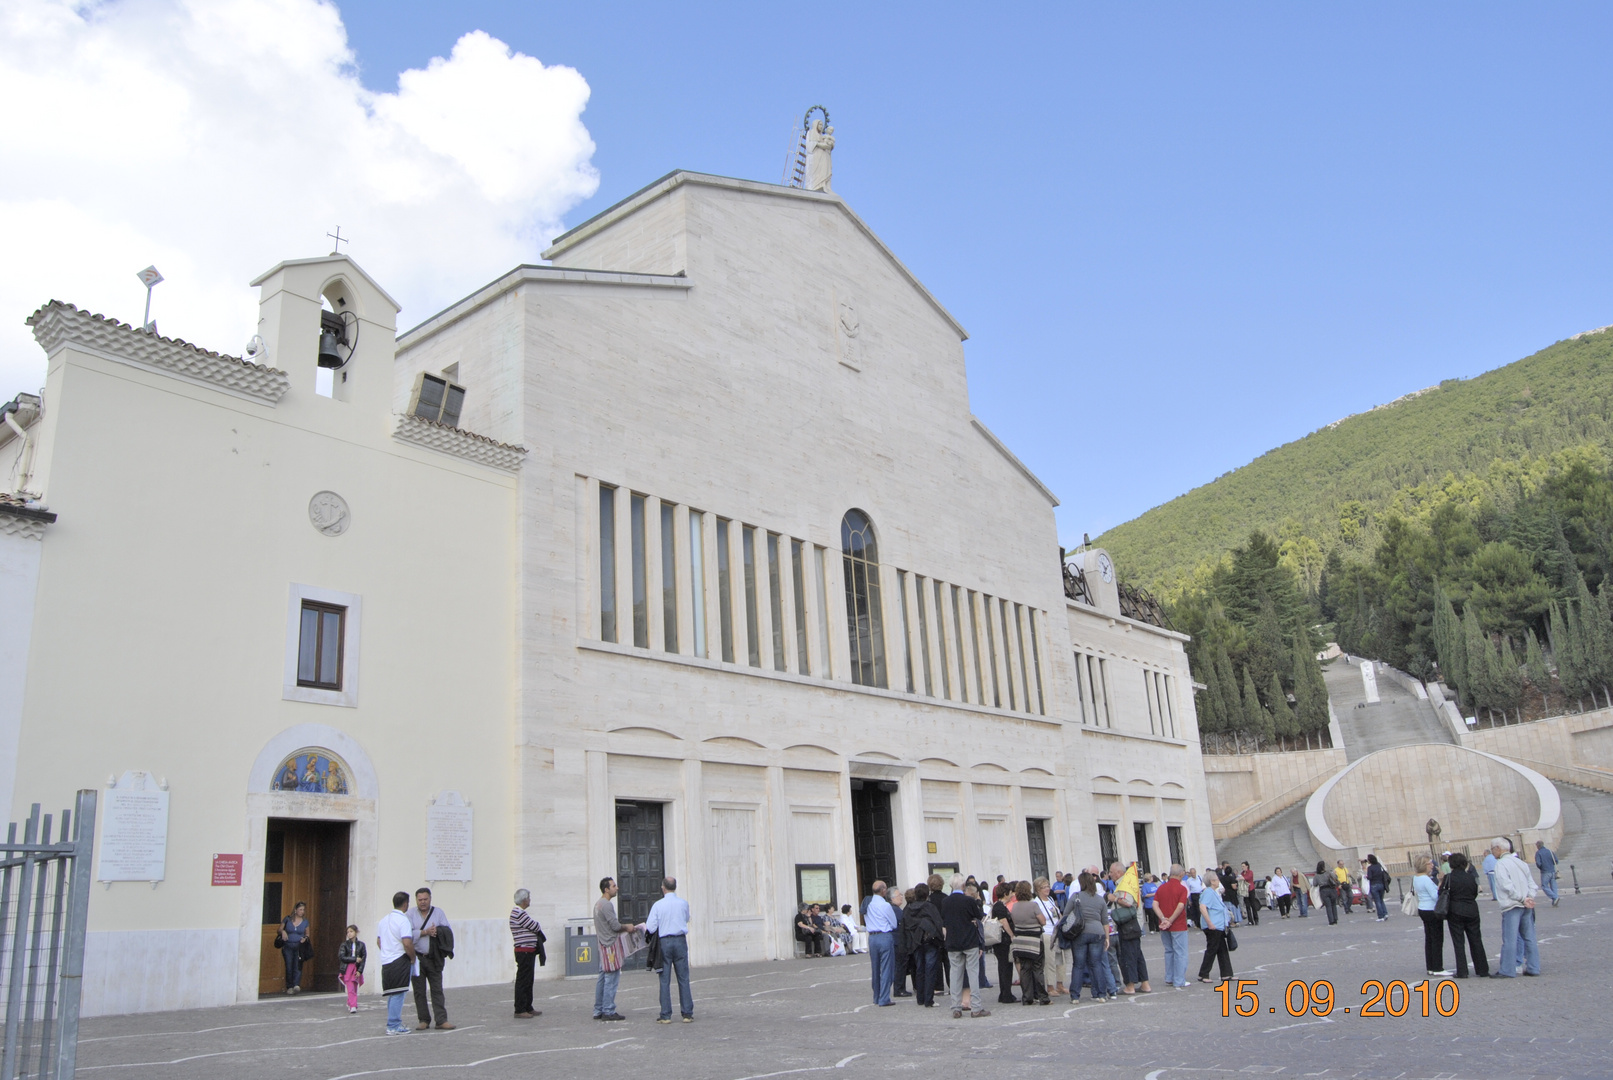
582 947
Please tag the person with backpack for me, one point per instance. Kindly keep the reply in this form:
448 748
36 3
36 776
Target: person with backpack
1085 928
434 944
918 933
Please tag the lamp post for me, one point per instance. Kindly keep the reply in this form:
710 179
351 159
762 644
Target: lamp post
150 277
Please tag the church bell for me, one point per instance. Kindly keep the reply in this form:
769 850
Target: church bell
331 334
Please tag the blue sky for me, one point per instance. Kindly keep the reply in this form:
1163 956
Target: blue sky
1178 235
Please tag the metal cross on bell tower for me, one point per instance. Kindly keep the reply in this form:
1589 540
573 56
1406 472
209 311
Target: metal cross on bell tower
337 241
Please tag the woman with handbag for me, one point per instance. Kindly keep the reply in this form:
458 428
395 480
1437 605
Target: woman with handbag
1460 891
294 945
997 934
1052 970
1433 923
1026 922
1086 919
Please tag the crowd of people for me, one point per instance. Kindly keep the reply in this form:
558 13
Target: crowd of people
1049 936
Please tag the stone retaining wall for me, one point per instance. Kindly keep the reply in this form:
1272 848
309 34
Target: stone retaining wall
1577 749
1246 789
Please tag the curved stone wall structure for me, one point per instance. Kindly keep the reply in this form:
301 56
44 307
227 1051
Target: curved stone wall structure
1382 802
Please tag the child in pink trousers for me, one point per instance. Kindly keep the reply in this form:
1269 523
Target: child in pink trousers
350 960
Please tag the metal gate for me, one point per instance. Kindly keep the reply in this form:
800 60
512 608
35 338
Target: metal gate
44 906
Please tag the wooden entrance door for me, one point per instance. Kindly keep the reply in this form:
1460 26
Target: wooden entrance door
304 861
1036 836
640 858
872 833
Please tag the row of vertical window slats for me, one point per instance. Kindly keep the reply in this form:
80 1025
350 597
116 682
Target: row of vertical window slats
762 566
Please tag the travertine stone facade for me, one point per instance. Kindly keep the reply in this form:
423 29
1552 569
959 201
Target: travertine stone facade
690 365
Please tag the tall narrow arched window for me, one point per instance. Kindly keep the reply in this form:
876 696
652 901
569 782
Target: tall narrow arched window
865 622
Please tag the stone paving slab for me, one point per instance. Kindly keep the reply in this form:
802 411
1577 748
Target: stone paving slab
790 1018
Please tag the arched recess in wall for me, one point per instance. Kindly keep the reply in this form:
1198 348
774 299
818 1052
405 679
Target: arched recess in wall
336 783
363 782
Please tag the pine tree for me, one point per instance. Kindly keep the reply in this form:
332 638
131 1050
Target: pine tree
1534 663
1282 716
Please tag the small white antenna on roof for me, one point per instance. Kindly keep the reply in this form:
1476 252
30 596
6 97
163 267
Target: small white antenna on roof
150 277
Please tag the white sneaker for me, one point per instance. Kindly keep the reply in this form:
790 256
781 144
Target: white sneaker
1442 973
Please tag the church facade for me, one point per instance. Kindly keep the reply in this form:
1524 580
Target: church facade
728 584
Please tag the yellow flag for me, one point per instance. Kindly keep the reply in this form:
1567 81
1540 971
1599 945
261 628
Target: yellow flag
1128 883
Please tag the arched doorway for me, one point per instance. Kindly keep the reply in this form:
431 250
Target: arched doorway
311 839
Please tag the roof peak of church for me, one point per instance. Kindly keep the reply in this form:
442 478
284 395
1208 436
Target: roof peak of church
680 177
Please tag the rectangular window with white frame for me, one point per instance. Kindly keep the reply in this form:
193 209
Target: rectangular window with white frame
322 646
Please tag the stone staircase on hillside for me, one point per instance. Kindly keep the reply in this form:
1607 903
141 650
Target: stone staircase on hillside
1280 840
1398 718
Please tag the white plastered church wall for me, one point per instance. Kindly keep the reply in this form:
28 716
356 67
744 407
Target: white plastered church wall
160 639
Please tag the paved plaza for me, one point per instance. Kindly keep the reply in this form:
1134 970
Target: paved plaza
791 1018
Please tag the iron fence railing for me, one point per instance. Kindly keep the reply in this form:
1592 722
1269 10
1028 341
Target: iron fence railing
44 906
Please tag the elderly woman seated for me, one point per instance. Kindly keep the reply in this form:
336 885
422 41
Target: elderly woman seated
810 932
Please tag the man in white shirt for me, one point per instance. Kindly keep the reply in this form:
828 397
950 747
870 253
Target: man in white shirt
394 943
1515 889
669 921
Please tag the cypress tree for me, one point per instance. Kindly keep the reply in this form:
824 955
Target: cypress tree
1506 680
1477 661
1595 646
1534 661
1211 718
1255 715
1584 678
1282 716
1231 703
1562 651
1452 646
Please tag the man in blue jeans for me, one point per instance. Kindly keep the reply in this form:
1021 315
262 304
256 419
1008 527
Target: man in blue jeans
607 929
880 921
1515 890
1546 863
669 921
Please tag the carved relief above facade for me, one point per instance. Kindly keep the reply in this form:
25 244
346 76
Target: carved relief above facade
848 332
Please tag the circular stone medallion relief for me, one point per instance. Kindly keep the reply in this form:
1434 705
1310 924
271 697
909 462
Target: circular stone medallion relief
329 514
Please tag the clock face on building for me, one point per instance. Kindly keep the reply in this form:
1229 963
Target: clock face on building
1106 569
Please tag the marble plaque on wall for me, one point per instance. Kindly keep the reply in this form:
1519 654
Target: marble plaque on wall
134 830
448 838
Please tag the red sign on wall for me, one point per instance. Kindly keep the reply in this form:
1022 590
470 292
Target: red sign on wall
227 869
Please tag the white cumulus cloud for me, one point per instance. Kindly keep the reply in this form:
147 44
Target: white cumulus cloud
215 138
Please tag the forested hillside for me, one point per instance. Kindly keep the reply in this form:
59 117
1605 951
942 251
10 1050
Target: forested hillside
1464 532
1487 439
